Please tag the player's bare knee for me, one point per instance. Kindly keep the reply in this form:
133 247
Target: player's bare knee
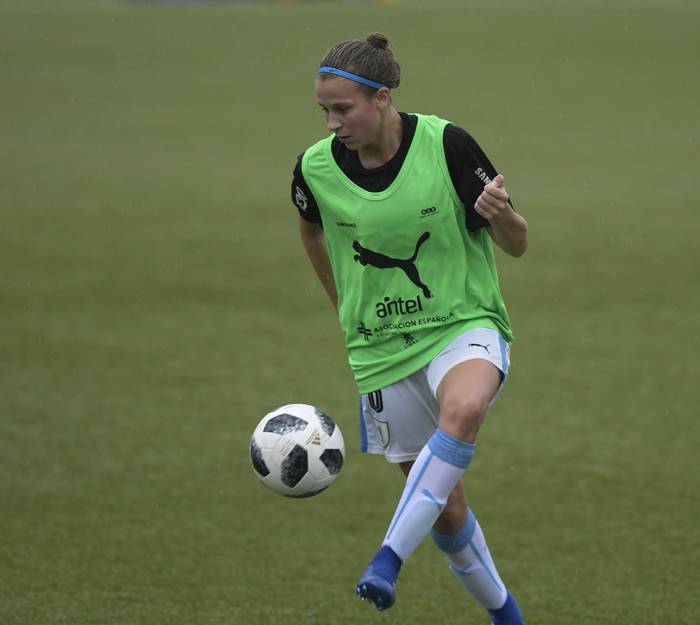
461 416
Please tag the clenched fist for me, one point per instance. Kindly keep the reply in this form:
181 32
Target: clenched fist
493 200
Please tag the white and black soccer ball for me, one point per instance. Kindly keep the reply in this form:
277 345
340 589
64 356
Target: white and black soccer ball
297 450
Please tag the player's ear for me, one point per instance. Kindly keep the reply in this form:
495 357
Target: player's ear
383 99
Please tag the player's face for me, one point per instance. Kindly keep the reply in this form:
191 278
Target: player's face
351 114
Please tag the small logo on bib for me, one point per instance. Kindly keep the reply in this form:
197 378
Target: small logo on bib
428 212
364 331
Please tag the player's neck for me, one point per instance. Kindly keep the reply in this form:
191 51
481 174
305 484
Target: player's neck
387 143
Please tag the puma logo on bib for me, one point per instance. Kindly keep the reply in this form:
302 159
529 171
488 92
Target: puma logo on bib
366 257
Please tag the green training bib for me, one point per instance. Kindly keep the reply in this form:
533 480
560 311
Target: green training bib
410 277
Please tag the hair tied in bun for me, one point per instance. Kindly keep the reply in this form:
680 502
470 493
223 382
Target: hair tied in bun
378 40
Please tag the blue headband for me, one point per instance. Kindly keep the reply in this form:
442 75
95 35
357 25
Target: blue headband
348 75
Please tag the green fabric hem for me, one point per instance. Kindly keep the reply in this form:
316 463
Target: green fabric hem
408 367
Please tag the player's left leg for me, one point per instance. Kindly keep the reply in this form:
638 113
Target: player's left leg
466 391
465 377
465 544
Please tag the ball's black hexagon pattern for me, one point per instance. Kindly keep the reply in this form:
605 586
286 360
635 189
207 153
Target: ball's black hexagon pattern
333 460
326 422
284 424
258 462
294 466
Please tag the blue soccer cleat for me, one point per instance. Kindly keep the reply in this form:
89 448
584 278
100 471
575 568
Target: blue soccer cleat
378 582
509 614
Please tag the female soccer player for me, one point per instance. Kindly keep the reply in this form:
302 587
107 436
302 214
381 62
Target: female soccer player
397 214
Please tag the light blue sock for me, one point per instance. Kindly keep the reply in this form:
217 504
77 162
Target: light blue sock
435 473
471 563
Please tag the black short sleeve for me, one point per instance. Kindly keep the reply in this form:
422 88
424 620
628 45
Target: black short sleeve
302 197
470 170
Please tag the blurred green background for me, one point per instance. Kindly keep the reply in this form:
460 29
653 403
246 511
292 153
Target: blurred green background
155 302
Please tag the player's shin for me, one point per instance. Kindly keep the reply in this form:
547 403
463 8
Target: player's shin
434 474
471 563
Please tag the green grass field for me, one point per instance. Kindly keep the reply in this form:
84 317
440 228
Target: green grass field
155 302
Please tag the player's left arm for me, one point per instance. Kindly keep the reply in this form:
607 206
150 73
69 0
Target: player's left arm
507 228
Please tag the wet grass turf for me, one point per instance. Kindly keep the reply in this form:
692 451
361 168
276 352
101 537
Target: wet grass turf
155 303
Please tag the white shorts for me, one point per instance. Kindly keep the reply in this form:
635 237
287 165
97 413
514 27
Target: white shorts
398 420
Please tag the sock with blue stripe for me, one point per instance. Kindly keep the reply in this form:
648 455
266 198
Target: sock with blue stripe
434 474
471 563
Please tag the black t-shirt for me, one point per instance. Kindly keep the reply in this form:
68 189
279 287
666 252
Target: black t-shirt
469 169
